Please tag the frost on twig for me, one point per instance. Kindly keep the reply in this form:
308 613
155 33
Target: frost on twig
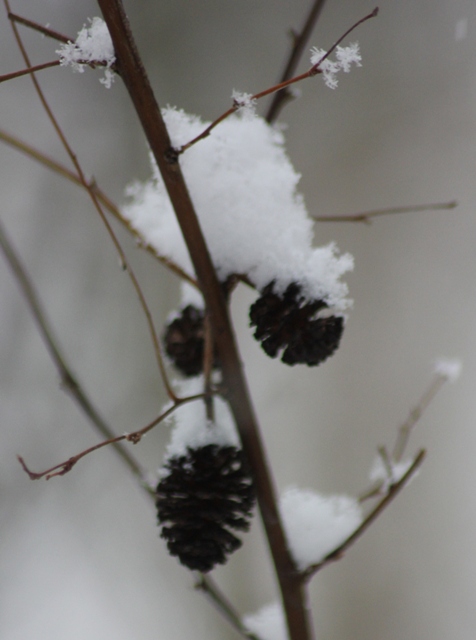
93 45
345 58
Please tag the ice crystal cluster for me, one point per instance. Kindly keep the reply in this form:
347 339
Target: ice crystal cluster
92 45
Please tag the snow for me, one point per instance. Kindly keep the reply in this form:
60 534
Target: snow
316 524
191 426
267 623
346 57
449 368
246 104
93 44
244 189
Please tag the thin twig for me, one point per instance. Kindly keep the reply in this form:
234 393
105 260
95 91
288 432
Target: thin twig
314 70
136 436
98 207
25 72
370 519
299 43
415 414
223 606
68 380
403 436
367 215
46 31
63 171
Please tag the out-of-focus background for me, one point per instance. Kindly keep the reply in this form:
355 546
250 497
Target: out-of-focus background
80 556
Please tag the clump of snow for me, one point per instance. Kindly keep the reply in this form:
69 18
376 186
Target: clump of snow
244 189
346 57
315 524
93 44
191 426
388 472
449 368
245 103
267 623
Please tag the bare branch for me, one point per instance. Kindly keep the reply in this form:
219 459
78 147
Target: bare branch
367 215
46 31
136 436
299 43
137 83
99 209
369 520
63 171
223 606
68 381
25 72
314 70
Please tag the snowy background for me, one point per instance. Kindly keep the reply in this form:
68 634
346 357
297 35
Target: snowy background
80 555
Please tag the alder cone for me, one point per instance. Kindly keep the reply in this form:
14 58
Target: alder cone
184 340
290 324
203 495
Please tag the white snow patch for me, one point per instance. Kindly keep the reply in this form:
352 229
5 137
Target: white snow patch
93 44
191 426
255 222
315 524
267 623
449 368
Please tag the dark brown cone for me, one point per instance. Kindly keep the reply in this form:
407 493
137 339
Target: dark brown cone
184 341
287 324
205 493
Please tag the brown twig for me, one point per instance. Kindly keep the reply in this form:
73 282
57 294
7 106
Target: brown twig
224 607
300 41
46 31
68 380
393 491
367 215
403 436
99 209
63 171
140 91
25 72
314 70
136 436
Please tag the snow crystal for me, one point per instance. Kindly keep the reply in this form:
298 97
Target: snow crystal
346 57
244 190
267 623
315 524
448 368
191 426
246 104
93 44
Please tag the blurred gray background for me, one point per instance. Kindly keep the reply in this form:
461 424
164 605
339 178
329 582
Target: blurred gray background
80 556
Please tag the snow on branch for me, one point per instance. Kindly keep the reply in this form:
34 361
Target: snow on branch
244 188
93 45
